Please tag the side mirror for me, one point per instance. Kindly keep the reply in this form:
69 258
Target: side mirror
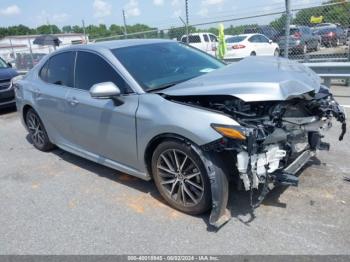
270 41
9 64
104 90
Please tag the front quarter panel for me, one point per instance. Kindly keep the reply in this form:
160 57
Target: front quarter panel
158 116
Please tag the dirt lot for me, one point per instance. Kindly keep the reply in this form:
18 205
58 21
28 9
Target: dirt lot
57 203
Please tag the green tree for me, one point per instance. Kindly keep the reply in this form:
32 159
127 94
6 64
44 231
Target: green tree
67 29
48 29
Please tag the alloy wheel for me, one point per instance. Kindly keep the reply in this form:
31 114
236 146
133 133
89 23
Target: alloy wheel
36 129
180 177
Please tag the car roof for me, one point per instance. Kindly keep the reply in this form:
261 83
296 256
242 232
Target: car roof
114 44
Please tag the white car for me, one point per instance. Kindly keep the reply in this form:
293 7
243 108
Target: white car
240 46
206 42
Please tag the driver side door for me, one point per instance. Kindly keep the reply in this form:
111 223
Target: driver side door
102 127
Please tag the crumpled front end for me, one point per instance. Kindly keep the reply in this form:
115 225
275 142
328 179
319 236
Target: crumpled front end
274 140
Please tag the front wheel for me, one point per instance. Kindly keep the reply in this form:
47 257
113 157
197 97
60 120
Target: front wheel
181 177
37 131
276 52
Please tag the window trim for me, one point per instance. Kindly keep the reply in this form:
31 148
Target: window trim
132 91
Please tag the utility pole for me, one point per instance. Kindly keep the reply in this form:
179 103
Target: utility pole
187 23
48 23
288 18
84 31
125 32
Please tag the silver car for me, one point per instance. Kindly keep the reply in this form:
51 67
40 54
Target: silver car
162 110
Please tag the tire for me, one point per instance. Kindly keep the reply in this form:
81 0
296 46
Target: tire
191 195
253 54
276 52
37 131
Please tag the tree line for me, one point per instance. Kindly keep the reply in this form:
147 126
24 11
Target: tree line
331 13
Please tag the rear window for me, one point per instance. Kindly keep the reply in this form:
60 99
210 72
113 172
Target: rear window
191 39
235 39
292 31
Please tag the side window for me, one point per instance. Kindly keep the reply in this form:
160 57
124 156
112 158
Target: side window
254 39
206 38
92 69
263 39
60 69
213 38
43 71
194 39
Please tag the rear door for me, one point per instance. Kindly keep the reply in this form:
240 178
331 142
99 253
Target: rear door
50 93
105 127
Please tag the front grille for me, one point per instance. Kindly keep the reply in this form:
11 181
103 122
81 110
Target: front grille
5 84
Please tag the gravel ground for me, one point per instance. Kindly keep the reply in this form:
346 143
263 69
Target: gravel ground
58 203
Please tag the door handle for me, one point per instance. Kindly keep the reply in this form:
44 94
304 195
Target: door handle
73 101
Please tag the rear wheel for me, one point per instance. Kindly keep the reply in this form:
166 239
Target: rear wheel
276 53
181 177
304 49
37 131
253 53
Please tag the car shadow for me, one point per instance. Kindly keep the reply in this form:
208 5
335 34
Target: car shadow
238 204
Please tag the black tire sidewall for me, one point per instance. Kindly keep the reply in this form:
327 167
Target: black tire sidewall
205 203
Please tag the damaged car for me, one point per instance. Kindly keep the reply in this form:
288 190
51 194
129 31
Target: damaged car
164 111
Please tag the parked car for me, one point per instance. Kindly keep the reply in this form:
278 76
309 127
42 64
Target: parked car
7 94
332 36
206 42
301 40
241 46
162 110
266 30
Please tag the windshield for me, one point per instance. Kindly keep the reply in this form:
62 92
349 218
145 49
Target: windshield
235 39
3 64
156 66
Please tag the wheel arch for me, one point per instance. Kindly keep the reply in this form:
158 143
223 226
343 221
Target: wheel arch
157 140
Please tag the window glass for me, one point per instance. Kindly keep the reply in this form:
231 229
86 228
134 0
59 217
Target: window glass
3 64
254 39
235 39
92 69
206 38
194 39
263 39
159 65
60 69
213 38
43 71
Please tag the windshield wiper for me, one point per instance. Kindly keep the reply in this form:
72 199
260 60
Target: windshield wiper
161 87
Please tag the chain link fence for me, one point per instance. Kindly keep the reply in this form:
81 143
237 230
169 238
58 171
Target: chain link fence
319 33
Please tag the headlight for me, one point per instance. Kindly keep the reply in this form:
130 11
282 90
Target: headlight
234 132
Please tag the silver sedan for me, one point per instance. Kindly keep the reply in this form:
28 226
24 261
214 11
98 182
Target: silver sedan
161 110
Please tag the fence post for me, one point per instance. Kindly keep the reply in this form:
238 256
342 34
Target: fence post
287 28
31 52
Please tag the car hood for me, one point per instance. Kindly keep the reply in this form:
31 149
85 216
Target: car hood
7 73
253 79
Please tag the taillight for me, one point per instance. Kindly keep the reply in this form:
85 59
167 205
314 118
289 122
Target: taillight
297 35
238 46
331 34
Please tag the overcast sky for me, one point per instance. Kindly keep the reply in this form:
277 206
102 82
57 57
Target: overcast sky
159 13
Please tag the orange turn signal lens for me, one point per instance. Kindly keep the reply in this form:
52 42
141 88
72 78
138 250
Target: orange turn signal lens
230 132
